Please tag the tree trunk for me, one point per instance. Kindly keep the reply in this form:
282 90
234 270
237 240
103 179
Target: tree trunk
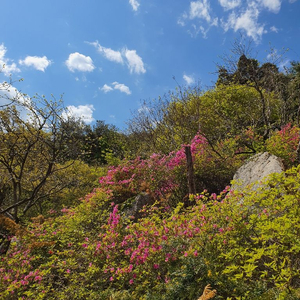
190 170
4 245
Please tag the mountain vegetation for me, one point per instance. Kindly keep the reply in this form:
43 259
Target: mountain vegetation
68 229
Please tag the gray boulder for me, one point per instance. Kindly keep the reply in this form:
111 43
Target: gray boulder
256 169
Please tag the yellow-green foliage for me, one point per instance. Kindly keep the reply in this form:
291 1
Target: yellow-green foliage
72 180
79 179
230 109
262 243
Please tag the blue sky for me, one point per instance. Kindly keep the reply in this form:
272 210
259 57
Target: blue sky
107 56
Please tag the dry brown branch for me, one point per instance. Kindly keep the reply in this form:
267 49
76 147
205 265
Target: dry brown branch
208 293
11 226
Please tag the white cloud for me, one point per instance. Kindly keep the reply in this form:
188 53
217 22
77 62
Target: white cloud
108 53
242 16
116 86
121 87
82 112
230 4
135 4
214 22
189 79
39 63
247 21
79 62
106 88
200 9
182 19
10 95
272 5
9 68
274 29
194 31
134 62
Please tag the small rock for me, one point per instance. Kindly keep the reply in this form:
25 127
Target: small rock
138 203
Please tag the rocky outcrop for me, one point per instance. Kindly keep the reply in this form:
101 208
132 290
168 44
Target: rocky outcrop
256 169
137 204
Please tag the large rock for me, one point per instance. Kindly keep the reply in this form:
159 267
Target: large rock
257 168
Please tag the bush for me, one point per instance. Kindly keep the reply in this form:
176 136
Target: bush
284 144
245 245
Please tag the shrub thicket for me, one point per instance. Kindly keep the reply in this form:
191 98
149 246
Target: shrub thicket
245 245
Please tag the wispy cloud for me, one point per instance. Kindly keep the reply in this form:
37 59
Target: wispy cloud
246 21
79 62
134 62
230 4
82 112
198 11
274 29
182 19
10 67
121 87
195 30
37 62
272 5
108 53
116 86
135 4
237 15
189 79
106 88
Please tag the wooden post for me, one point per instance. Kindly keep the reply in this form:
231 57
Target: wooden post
298 153
190 170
